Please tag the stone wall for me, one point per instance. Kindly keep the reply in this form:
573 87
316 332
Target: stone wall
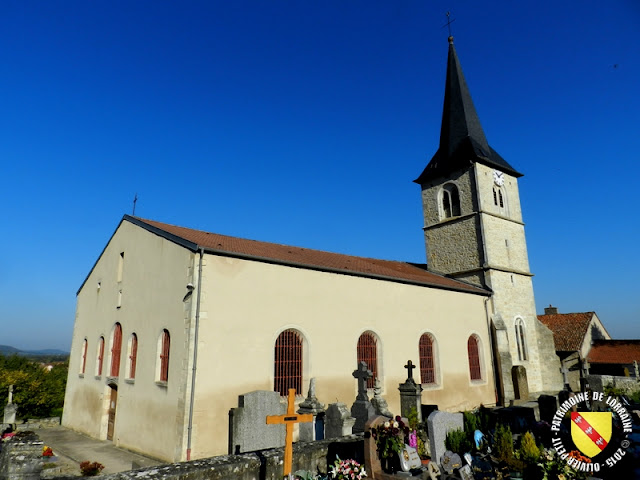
629 385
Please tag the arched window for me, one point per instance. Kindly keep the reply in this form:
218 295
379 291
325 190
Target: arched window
83 357
116 349
427 359
288 362
474 358
165 345
132 351
368 352
499 198
100 356
520 340
450 201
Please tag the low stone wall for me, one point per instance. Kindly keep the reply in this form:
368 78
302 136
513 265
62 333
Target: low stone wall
21 459
629 385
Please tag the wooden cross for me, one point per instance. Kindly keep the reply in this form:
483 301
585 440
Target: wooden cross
289 419
410 366
362 373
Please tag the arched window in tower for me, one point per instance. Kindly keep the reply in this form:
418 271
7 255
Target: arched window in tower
100 356
450 201
368 352
473 350
520 340
116 349
288 362
499 198
427 359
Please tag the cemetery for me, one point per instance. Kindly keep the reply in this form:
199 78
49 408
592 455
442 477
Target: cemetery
366 440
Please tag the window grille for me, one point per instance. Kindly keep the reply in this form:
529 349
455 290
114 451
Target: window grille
116 349
501 198
133 355
368 352
288 362
495 197
474 358
100 355
427 362
164 356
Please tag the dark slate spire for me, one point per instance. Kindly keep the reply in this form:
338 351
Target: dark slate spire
462 140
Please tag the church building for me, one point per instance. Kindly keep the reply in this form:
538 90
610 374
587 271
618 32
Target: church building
173 324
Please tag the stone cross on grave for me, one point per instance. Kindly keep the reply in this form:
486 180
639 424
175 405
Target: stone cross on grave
410 366
289 419
637 369
10 395
362 373
586 366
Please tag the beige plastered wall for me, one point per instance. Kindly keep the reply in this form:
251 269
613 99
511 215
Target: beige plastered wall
150 416
246 304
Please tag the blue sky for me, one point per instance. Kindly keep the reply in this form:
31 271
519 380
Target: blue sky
305 123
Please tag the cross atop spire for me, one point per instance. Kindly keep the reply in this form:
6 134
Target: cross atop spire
462 139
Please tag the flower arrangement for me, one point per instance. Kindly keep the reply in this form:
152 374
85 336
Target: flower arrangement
47 452
555 468
90 469
347 469
390 437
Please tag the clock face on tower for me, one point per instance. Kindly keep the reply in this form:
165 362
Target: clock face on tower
498 178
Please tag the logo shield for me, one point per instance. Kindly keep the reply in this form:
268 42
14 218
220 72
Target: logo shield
591 431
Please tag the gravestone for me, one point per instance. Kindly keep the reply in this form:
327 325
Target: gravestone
409 459
410 394
450 461
10 409
548 405
380 404
21 457
362 410
371 461
247 428
338 421
309 432
438 424
520 385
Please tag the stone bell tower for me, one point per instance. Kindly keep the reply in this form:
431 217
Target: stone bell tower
474 233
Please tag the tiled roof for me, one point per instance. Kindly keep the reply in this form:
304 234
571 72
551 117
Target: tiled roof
304 257
569 329
614 351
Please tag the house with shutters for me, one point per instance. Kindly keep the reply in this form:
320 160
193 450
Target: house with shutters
173 324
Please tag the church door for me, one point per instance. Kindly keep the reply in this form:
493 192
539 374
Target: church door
112 412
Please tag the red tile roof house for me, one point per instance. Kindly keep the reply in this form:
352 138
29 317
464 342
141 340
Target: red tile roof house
614 357
573 335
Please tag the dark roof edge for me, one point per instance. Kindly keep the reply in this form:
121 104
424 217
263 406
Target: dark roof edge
195 247
350 273
99 256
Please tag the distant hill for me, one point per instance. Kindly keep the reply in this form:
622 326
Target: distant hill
7 350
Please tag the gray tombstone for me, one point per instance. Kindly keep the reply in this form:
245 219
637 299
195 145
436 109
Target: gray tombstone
338 421
248 429
520 384
438 424
311 431
410 394
362 410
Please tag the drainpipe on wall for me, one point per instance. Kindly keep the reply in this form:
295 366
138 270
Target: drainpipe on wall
195 357
497 379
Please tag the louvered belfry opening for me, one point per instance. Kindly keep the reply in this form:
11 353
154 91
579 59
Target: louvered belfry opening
133 356
116 349
474 358
164 356
427 363
368 352
288 362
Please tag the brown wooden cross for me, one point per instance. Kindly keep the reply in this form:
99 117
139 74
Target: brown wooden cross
289 419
